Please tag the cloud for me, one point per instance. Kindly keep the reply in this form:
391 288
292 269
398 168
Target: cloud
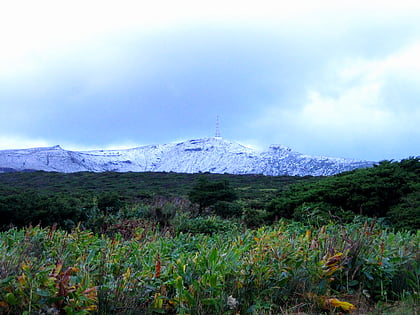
16 142
323 77
146 87
360 108
365 99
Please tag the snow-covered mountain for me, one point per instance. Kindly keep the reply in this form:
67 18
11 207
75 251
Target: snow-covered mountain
215 155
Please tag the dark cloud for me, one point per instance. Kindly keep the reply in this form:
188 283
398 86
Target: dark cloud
158 87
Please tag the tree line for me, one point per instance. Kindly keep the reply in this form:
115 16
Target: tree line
390 190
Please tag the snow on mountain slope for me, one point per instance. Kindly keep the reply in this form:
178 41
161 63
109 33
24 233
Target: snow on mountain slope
280 160
48 159
215 155
209 155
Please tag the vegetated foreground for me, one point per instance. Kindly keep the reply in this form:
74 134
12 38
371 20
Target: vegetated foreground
282 269
389 190
210 244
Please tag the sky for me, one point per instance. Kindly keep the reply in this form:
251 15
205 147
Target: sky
329 78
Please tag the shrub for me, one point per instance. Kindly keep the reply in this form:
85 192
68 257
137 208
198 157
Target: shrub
389 189
254 218
406 215
206 193
227 209
321 213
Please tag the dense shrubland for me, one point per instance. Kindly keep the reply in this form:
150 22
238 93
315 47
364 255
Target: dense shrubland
390 190
44 198
170 243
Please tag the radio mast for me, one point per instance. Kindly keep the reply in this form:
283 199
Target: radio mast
217 135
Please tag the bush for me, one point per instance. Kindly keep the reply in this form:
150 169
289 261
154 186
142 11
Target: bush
110 202
321 213
406 215
254 218
33 208
228 209
206 193
389 189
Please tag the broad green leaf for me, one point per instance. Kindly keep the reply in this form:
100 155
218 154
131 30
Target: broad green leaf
11 299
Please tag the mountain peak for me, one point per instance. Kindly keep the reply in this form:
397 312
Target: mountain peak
214 154
279 147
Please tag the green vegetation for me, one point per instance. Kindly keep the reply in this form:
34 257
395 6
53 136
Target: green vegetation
206 193
272 270
390 190
45 198
137 186
150 243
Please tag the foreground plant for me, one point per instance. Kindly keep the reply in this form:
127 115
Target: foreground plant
269 270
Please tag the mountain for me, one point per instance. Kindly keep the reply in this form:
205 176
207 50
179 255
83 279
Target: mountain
214 155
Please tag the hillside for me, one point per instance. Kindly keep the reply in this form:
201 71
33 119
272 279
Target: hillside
214 155
389 190
139 185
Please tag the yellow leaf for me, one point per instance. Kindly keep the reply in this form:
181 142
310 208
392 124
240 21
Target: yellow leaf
345 306
173 302
58 268
158 303
127 274
74 269
26 267
91 308
333 260
22 279
332 270
3 304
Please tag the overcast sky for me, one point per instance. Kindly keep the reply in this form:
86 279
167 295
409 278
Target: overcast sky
331 78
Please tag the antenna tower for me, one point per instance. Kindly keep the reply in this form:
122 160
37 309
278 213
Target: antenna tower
217 135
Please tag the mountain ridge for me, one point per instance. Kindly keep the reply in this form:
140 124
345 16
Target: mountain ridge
214 155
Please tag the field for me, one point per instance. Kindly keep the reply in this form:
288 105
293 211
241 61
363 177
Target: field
166 243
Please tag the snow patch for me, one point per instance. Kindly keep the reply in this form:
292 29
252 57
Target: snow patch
215 155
